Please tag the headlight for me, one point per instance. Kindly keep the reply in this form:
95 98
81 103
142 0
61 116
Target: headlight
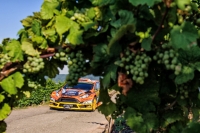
84 96
87 102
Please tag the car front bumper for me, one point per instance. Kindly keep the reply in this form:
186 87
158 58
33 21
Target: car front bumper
70 106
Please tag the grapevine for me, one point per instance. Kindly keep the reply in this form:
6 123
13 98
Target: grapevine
135 65
148 51
168 57
4 59
33 65
76 64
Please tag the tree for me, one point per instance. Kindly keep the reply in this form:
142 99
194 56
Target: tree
147 50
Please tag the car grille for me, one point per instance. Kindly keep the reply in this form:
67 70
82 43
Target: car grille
69 100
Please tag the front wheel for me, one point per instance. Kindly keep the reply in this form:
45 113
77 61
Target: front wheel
94 104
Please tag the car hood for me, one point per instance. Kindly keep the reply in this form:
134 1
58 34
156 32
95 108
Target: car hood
73 92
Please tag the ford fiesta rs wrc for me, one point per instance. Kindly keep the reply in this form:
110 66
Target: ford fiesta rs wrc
83 96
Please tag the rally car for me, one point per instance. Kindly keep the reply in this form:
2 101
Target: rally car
83 96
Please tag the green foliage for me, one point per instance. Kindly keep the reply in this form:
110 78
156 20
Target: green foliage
154 43
4 111
11 83
107 107
14 51
28 48
47 8
142 2
184 36
40 95
192 127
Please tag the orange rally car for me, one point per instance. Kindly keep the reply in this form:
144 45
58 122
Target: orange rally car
83 96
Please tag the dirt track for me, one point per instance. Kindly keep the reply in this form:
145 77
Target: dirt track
42 120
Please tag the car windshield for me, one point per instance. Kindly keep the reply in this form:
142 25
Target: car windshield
83 86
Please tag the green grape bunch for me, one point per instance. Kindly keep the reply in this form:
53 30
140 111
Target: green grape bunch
136 65
4 59
33 65
62 55
76 64
169 58
184 91
32 81
84 15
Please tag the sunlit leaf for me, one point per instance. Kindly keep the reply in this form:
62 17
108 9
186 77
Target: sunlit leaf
2 97
36 27
47 8
27 22
18 79
14 50
75 36
27 47
4 111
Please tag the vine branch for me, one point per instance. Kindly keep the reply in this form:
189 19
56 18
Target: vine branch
171 105
6 73
160 26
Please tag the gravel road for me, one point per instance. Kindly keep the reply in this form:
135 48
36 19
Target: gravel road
41 119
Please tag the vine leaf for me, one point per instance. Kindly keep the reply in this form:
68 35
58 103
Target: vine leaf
102 2
182 3
4 111
27 47
193 127
14 50
27 22
40 41
63 24
150 121
91 13
171 117
186 75
120 33
87 25
100 55
75 36
18 79
49 32
146 43
107 107
10 83
125 24
36 27
142 2
110 73
52 68
189 56
197 66
134 121
47 8
2 97
184 36
126 17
